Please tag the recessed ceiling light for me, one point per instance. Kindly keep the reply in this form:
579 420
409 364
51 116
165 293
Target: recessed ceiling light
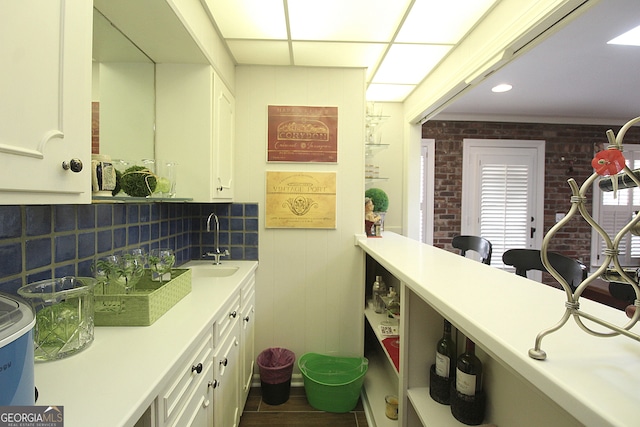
504 87
630 38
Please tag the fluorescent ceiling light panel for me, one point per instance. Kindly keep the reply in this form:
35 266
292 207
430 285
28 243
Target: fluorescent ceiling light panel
409 63
336 54
388 93
630 38
438 21
249 19
260 52
339 20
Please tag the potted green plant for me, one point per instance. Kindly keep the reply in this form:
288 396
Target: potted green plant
380 202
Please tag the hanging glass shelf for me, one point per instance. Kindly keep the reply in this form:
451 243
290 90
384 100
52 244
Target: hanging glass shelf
373 121
369 180
128 199
373 149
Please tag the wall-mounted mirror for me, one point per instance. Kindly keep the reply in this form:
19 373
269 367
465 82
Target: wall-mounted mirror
123 95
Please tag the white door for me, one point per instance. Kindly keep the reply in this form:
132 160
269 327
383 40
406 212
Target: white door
502 194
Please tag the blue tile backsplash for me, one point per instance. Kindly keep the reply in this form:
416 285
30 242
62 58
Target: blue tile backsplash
39 242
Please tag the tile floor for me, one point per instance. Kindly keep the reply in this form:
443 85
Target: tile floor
296 412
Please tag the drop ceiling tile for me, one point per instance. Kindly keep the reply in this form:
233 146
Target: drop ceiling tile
339 20
249 19
409 63
260 52
320 54
437 21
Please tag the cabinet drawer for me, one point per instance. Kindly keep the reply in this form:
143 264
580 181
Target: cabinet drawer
248 289
188 376
198 408
226 319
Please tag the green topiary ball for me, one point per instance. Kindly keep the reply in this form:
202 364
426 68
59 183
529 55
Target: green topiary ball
379 198
138 181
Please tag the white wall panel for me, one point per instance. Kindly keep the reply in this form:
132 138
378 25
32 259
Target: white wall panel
309 287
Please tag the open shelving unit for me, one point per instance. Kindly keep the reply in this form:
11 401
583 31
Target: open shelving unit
382 379
420 328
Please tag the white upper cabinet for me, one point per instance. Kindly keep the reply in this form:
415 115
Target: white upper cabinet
45 87
195 116
224 116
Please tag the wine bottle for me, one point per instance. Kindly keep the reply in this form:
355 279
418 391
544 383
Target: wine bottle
624 181
469 371
378 291
446 353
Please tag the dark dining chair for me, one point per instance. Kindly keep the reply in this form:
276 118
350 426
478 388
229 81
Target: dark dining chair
573 271
473 243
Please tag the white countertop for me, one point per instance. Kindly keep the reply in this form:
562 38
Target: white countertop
595 379
114 380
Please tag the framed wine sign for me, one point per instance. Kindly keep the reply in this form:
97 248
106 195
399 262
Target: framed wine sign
301 200
302 134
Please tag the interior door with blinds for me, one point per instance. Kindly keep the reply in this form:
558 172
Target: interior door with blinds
502 194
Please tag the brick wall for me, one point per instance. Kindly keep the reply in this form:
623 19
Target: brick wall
574 143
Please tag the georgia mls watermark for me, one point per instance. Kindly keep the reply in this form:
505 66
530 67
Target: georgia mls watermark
31 416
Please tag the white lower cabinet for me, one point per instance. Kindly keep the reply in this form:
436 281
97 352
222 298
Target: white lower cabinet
186 401
226 376
212 383
247 337
198 411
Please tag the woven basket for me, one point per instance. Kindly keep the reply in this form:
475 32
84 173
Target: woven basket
144 305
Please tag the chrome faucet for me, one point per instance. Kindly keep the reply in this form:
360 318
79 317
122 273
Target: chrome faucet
216 239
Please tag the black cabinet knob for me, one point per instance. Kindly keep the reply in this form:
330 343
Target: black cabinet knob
197 368
74 164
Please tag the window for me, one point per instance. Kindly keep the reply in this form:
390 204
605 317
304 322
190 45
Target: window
613 212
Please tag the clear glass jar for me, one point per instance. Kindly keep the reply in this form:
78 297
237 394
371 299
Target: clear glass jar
64 310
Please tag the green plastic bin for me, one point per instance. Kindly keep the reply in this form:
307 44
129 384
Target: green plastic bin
332 383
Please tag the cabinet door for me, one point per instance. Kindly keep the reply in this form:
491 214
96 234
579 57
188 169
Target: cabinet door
223 139
247 338
188 384
45 87
226 410
198 412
